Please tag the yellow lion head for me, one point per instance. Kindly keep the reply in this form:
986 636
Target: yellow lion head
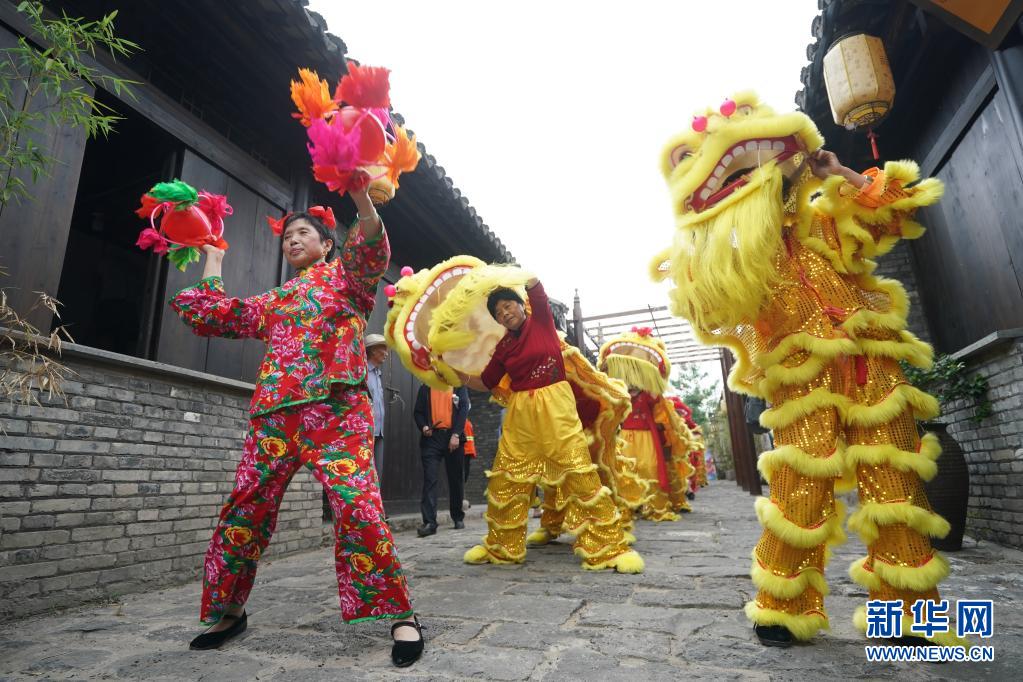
415 299
638 358
732 175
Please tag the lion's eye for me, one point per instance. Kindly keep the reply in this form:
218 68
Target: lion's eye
679 154
745 109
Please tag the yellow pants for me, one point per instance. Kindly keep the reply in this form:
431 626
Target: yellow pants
639 445
542 443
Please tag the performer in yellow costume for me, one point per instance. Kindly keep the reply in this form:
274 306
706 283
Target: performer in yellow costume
699 477
784 281
653 434
602 403
442 323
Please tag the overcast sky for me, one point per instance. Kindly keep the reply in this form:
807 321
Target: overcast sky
550 116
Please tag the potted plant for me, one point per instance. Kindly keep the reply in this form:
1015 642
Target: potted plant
949 491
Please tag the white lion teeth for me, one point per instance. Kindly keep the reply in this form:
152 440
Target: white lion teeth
725 160
705 193
417 346
719 171
778 146
751 146
409 327
765 144
739 151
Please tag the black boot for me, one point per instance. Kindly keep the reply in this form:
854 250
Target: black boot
214 640
774 635
426 529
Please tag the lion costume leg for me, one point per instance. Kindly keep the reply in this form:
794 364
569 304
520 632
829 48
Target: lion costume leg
802 516
551 520
508 504
639 446
678 467
894 518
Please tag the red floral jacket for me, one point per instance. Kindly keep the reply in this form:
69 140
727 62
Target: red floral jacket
313 324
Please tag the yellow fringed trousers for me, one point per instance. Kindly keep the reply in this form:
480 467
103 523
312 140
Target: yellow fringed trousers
542 443
857 428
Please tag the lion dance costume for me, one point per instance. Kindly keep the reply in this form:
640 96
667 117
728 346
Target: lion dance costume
439 323
699 477
785 283
653 434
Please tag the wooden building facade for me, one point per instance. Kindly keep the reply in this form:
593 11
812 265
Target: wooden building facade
148 442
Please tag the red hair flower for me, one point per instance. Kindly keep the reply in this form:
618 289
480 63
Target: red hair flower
277 224
643 331
324 214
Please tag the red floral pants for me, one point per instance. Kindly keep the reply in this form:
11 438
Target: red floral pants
334 438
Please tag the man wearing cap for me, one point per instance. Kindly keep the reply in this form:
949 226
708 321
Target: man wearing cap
376 353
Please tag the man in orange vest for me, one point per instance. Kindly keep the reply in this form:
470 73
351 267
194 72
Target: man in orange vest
441 417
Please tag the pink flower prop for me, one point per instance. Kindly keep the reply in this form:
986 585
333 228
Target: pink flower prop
151 239
332 145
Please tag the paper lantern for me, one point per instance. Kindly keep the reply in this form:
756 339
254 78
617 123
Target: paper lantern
859 81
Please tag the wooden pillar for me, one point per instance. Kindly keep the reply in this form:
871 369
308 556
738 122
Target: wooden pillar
744 453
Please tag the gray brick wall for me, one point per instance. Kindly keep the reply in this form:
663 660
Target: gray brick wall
994 447
898 264
120 488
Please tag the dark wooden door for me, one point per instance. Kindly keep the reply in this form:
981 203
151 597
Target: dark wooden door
251 266
970 262
403 474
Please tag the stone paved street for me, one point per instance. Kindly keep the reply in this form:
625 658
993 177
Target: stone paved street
544 620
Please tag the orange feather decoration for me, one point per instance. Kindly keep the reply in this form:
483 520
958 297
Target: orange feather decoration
401 156
312 97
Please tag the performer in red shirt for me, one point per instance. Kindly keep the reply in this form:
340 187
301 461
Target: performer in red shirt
542 442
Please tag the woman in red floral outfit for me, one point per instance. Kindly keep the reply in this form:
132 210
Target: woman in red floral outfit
311 407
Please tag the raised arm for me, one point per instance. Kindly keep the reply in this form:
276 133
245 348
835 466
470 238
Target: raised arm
874 209
365 253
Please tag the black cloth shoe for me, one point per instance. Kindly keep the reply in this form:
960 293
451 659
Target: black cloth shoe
690 495
426 529
774 635
214 640
404 654
459 525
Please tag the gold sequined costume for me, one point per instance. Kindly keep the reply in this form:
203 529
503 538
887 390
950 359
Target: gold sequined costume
653 435
785 283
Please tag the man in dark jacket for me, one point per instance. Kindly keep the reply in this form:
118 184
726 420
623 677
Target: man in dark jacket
440 416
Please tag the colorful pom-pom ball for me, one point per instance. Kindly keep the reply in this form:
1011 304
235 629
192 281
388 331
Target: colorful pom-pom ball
371 139
699 123
390 290
727 107
407 271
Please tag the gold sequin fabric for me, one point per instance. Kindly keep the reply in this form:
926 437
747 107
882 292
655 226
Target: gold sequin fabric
825 354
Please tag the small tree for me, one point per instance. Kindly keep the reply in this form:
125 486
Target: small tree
40 87
701 397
